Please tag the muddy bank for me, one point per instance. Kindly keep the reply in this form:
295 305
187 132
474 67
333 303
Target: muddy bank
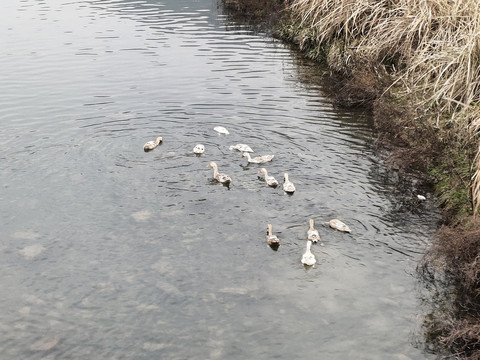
415 66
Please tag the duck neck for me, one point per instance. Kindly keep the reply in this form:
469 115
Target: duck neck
285 177
309 244
311 224
215 170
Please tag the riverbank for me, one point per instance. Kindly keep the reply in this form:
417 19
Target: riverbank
416 65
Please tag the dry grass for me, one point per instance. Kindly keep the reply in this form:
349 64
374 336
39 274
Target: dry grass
432 47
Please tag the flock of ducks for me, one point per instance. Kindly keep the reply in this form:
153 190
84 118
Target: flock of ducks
308 258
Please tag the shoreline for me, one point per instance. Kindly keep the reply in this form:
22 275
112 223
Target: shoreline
425 124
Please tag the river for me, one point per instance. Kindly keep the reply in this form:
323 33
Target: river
110 252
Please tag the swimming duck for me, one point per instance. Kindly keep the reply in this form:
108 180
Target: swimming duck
270 180
338 225
199 149
312 234
241 147
272 240
308 258
222 178
221 130
288 186
258 159
150 145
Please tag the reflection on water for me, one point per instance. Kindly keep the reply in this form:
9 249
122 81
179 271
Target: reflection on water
111 252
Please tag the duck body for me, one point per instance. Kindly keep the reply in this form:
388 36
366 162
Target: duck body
288 186
272 240
259 159
308 258
150 145
221 178
270 180
199 149
312 233
221 130
241 147
339 225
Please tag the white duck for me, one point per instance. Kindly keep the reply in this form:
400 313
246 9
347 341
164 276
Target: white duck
270 180
199 149
222 178
338 225
221 130
259 159
272 240
288 186
150 145
312 233
241 147
308 258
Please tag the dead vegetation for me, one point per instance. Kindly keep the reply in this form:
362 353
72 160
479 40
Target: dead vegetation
454 322
259 13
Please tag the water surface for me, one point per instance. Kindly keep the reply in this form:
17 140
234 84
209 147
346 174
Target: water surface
108 252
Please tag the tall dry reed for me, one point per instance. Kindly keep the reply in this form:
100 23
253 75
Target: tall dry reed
431 46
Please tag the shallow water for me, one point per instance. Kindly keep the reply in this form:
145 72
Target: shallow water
108 252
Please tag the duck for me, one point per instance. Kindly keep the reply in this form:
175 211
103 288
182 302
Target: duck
339 225
221 130
272 240
221 178
288 186
308 258
421 197
259 159
150 145
270 180
312 233
241 147
199 149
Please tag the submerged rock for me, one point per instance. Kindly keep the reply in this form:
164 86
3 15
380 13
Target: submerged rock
141 216
154 346
32 251
25 235
44 344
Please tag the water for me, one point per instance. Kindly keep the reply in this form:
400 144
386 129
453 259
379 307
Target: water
108 252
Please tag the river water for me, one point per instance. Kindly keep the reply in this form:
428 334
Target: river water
109 252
